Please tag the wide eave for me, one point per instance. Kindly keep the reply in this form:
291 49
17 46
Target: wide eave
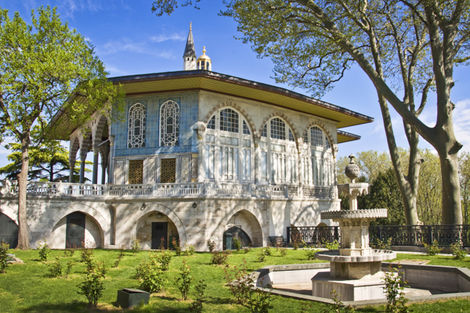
61 127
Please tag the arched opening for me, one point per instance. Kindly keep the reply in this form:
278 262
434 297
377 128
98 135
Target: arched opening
8 231
244 226
156 230
76 230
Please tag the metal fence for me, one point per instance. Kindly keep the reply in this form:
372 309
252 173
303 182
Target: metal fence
414 235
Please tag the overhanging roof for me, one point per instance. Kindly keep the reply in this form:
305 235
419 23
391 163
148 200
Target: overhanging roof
229 85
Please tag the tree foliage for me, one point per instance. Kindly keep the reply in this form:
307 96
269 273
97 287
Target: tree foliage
405 47
44 67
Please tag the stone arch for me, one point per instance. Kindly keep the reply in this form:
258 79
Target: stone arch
101 128
232 105
74 147
146 209
246 217
8 230
286 120
93 236
328 135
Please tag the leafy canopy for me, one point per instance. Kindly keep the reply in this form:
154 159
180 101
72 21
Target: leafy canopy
41 65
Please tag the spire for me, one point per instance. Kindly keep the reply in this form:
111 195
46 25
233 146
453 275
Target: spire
189 51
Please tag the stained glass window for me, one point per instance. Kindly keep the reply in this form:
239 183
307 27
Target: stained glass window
169 123
136 126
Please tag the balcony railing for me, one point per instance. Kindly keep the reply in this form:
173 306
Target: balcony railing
210 189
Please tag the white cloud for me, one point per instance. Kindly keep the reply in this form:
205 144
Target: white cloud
462 123
132 46
167 37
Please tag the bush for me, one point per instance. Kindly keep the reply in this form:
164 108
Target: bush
87 258
334 245
176 246
338 306
189 251
219 257
196 305
92 287
184 279
237 244
55 268
311 254
394 286
150 275
267 251
119 258
135 245
242 287
3 256
69 252
261 257
282 252
211 245
383 245
44 252
432 249
68 268
246 250
164 258
457 251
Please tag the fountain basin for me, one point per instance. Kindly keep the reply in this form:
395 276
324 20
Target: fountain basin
354 214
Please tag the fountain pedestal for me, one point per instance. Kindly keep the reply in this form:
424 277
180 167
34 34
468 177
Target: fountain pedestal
355 269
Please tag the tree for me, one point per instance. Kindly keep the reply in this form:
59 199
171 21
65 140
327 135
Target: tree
464 169
405 47
47 161
40 66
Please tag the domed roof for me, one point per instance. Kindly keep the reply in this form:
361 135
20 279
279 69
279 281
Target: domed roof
204 57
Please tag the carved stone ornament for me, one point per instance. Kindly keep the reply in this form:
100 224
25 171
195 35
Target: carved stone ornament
352 170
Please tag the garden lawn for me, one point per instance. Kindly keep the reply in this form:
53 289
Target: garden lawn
27 287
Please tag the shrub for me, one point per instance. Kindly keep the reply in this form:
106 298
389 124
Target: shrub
92 287
219 257
87 258
3 256
457 251
69 252
311 254
135 245
150 275
383 245
44 252
68 268
246 250
267 251
338 306
176 246
164 259
196 305
55 268
282 252
242 287
184 279
433 248
119 258
211 245
334 245
189 250
394 286
237 244
261 257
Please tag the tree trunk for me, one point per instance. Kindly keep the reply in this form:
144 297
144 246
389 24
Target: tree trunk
451 206
23 231
408 184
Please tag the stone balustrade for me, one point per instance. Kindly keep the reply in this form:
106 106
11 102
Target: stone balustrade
210 189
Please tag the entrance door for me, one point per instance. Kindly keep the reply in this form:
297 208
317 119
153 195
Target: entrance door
8 231
159 235
75 231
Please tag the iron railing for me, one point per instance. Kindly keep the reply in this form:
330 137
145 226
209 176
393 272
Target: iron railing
414 235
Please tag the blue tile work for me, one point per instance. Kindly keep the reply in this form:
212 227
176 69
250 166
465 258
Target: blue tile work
188 102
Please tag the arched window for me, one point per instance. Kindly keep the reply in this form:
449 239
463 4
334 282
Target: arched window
278 163
136 126
169 123
228 147
318 161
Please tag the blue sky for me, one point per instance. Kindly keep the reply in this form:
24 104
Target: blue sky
131 40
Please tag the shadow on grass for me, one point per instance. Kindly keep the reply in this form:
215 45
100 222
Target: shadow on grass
60 307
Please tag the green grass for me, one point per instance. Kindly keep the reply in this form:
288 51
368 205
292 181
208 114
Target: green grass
26 287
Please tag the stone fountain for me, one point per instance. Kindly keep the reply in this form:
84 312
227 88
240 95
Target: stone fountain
355 269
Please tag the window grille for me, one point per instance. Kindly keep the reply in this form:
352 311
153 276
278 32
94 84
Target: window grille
278 129
229 120
136 126
169 123
136 171
246 130
168 171
211 123
316 137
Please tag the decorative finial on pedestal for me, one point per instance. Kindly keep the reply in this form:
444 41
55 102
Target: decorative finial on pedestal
352 170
